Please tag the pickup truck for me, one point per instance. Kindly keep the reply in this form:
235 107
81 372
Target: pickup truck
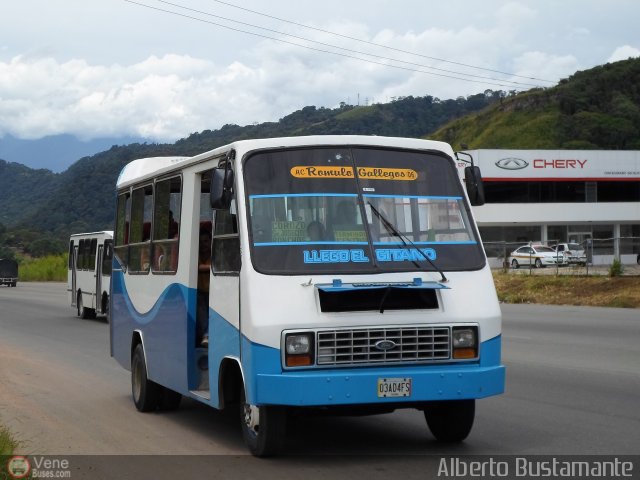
573 253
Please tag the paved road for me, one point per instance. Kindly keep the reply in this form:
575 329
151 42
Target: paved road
573 387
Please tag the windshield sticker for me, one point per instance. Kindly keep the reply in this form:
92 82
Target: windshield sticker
282 231
404 254
367 173
356 255
322 172
350 235
371 173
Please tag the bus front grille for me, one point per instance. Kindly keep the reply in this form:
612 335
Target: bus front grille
383 345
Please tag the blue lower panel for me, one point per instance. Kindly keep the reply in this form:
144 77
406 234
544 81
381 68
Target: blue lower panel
348 386
345 387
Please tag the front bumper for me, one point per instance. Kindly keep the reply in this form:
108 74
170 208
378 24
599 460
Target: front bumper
332 387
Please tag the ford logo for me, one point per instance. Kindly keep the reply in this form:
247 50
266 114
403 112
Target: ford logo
512 163
385 345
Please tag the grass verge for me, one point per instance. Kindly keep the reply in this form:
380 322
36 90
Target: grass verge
52 268
593 291
7 443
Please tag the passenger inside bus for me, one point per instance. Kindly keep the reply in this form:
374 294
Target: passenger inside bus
204 265
346 226
315 231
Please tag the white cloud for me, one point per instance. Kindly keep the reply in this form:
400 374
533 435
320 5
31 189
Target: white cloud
164 77
545 66
623 53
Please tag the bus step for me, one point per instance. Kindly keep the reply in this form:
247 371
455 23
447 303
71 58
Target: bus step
201 393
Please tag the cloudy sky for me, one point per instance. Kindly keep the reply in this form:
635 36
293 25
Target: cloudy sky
109 68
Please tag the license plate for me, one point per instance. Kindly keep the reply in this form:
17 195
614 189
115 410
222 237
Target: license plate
394 387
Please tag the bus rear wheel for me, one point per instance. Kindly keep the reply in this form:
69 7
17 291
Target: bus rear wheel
263 427
146 394
84 312
450 421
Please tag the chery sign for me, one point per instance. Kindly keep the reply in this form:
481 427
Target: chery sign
557 165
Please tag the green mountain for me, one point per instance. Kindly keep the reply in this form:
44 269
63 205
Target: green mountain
23 191
592 109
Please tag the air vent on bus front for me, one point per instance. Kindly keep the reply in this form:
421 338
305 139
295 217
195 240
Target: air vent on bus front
383 298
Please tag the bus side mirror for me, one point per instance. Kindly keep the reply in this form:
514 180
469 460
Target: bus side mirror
474 184
221 188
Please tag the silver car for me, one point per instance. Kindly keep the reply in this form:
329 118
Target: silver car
573 253
535 255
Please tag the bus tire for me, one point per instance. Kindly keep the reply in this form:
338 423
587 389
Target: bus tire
105 304
146 394
450 421
263 427
83 312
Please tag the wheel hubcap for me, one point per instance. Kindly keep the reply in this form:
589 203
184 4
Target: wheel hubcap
252 417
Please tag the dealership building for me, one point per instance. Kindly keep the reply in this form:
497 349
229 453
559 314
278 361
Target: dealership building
590 197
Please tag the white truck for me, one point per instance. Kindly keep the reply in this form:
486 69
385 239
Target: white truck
573 253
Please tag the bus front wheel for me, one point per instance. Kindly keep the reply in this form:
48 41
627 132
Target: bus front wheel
263 427
450 421
146 394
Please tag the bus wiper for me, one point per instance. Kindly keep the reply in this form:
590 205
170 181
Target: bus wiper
406 242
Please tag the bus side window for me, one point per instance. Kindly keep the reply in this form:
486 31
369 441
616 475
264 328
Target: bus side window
80 265
166 225
93 248
107 257
226 242
140 230
121 248
70 259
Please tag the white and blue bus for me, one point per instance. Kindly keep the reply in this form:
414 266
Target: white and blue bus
304 274
89 272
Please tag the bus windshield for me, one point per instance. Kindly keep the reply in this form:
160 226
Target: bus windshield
357 210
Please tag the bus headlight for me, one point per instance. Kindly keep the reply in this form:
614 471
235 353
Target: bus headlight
298 349
464 341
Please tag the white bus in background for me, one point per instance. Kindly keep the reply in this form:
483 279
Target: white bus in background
346 274
89 272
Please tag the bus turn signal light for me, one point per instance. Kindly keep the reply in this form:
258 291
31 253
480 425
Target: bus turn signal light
462 353
298 360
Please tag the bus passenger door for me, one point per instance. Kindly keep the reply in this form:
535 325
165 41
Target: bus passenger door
224 299
74 269
99 278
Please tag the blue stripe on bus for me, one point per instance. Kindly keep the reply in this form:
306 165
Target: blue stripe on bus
168 329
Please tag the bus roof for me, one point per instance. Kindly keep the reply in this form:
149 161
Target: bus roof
144 168
108 233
